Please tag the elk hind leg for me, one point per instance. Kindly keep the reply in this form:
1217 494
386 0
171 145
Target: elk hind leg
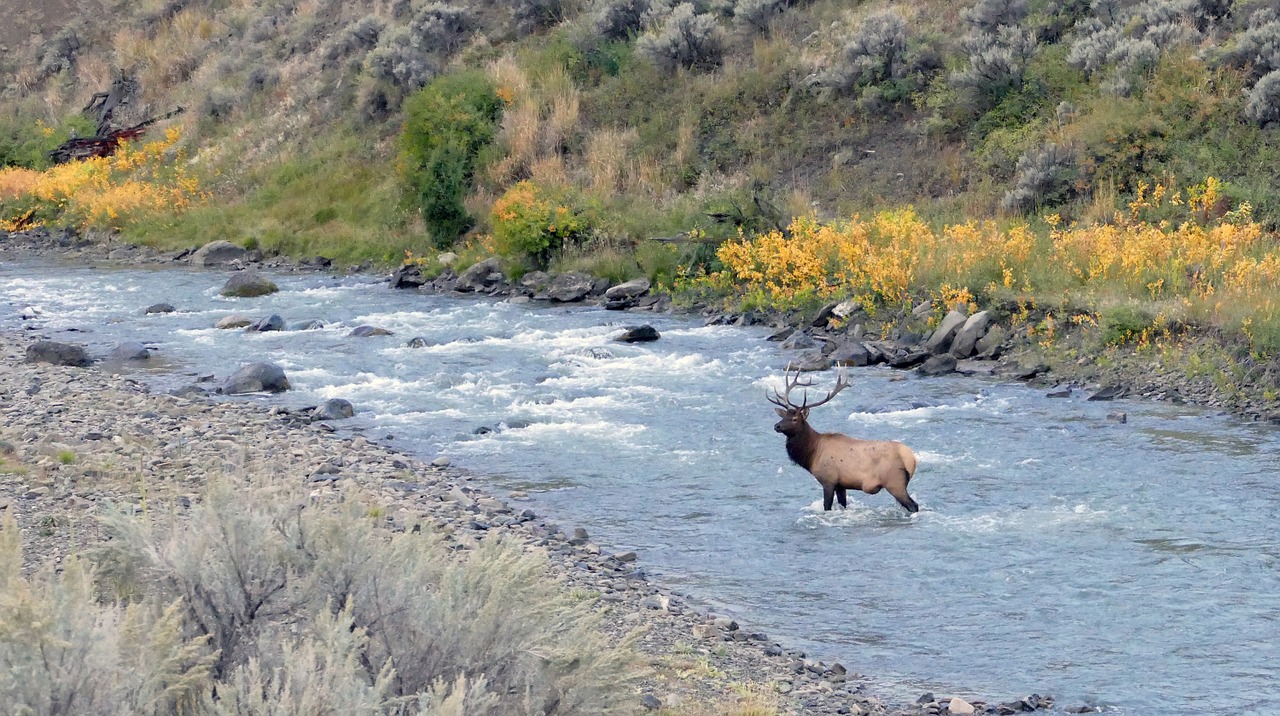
828 494
842 497
899 493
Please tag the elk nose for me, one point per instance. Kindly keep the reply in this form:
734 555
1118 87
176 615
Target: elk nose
777 427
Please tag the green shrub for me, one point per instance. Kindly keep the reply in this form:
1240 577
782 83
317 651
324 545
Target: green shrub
26 142
1122 324
446 126
531 222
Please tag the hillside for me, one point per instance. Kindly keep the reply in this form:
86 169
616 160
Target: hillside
1104 163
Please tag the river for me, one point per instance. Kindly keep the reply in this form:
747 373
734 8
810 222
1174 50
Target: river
1134 566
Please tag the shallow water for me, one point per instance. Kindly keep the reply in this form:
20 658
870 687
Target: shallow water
1134 566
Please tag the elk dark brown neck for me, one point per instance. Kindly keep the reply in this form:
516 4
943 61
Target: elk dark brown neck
801 444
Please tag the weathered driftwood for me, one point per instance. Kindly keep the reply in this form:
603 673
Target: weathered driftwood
79 148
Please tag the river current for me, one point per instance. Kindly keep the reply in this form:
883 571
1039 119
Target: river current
1133 566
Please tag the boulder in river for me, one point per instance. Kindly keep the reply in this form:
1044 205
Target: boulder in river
58 354
160 308
235 320
333 409
130 350
311 325
271 323
634 288
852 353
367 331
248 284
417 342
217 253
639 334
256 378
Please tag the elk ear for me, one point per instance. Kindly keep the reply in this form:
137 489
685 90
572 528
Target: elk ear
781 413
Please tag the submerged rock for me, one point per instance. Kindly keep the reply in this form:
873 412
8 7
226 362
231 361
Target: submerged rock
333 409
131 350
367 331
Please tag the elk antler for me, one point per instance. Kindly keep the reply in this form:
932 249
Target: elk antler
783 399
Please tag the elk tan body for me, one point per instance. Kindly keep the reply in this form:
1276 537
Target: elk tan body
839 462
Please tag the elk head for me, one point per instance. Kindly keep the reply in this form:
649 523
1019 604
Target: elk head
795 418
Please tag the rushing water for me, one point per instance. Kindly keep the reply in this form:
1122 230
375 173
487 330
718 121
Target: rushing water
1135 566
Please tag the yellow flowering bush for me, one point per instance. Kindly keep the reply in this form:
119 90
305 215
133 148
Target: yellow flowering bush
106 192
877 260
528 221
1217 262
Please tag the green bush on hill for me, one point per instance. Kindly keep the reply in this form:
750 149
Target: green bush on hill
446 125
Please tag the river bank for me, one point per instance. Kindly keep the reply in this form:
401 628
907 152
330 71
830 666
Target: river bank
1193 367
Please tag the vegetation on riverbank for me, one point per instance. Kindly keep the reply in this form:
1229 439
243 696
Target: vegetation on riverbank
1095 167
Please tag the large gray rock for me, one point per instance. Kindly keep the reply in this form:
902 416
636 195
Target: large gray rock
130 350
851 353
274 322
570 287
799 341
535 281
160 308
255 378
311 325
367 331
941 364
235 320
408 276
639 334
480 277
248 284
218 253
333 409
966 339
990 344
634 288
940 341
58 354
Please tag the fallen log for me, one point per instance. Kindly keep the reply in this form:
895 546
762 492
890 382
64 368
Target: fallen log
80 148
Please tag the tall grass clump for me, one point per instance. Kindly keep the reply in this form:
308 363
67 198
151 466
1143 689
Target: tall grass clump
261 601
446 126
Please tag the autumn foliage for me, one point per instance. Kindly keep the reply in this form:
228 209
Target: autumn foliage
137 181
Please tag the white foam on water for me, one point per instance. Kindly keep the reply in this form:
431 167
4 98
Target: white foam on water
936 458
857 514
572 406
928 413
620 436
1028 520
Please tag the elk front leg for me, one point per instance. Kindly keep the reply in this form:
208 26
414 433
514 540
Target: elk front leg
828 494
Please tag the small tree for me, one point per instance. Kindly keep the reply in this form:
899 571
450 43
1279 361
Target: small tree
447 123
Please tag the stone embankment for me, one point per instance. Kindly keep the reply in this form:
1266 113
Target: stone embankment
74 440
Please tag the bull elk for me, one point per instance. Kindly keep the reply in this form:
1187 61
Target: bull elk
837 461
